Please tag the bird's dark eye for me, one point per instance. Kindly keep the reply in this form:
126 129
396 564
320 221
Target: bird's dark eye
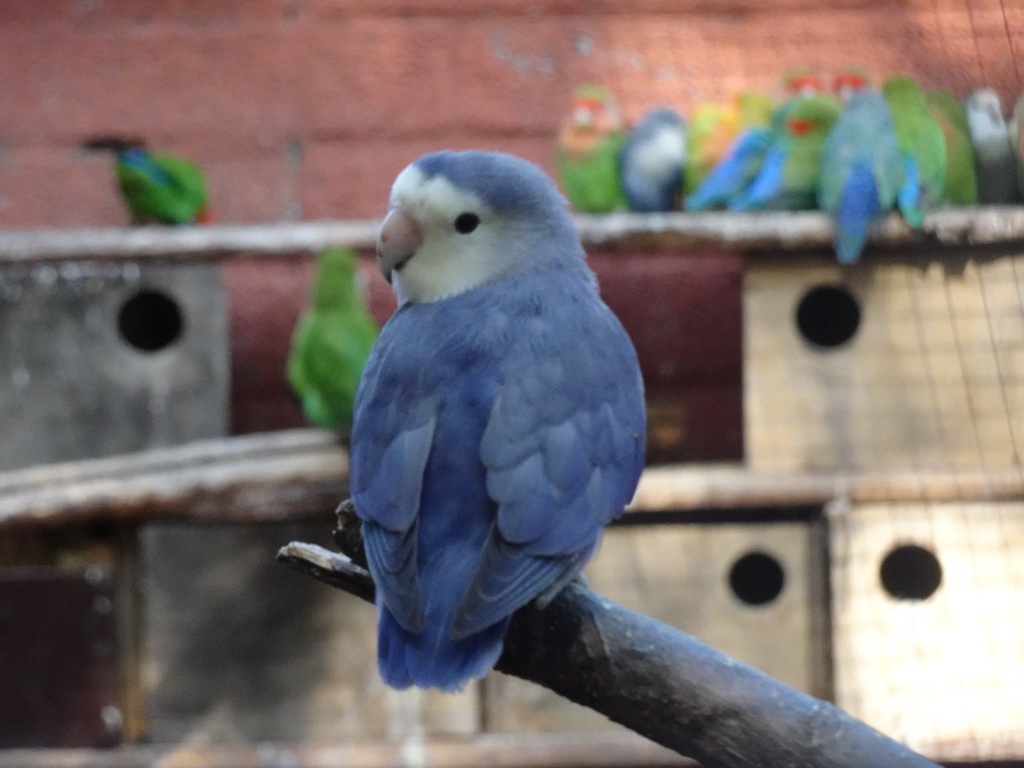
466 223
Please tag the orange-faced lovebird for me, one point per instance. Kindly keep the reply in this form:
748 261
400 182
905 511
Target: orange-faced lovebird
331 342
922 147
499 423
848 81
800 81
589 144
961 184
788 177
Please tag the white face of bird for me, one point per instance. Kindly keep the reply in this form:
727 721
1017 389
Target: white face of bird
985 108
987 126
666 148
592 114
438 241
583 116
849 83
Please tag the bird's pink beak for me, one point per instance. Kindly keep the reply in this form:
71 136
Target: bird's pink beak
398 241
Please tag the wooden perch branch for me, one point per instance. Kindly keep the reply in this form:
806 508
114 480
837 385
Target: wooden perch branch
653 679
744 231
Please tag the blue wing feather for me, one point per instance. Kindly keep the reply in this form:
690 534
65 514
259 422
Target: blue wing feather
392 556
766 185
861 171
579 471
730 177
486 464
910 194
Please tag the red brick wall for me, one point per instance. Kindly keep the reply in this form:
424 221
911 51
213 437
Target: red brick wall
683 315
306 109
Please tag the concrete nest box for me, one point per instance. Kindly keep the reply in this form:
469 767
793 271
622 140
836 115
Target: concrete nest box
101 358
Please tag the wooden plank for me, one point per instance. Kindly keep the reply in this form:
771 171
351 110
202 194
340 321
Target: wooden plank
101 359
299 474
493 750
932 380
681 575
273 476
188 243
945 673
791 230
733 487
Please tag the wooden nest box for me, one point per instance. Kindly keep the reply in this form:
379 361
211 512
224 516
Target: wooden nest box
915 364
906 364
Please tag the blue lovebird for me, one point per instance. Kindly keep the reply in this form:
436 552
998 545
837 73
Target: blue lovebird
735 173
500 421
862 171
651 162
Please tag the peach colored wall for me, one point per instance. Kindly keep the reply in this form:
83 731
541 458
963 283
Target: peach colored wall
308 108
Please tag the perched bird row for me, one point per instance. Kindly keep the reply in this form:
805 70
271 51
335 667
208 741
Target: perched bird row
852 151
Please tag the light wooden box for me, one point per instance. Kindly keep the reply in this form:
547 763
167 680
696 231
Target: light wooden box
932 379
933 654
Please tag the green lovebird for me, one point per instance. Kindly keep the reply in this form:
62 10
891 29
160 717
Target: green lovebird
788 178
157 187
922 147
714 130
331 343
589 144
961 184
708 139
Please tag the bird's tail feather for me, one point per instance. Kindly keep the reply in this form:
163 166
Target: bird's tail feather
857 206
766 185
431 659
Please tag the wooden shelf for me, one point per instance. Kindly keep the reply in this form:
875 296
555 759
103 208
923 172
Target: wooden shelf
302 473
744 231
274 476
